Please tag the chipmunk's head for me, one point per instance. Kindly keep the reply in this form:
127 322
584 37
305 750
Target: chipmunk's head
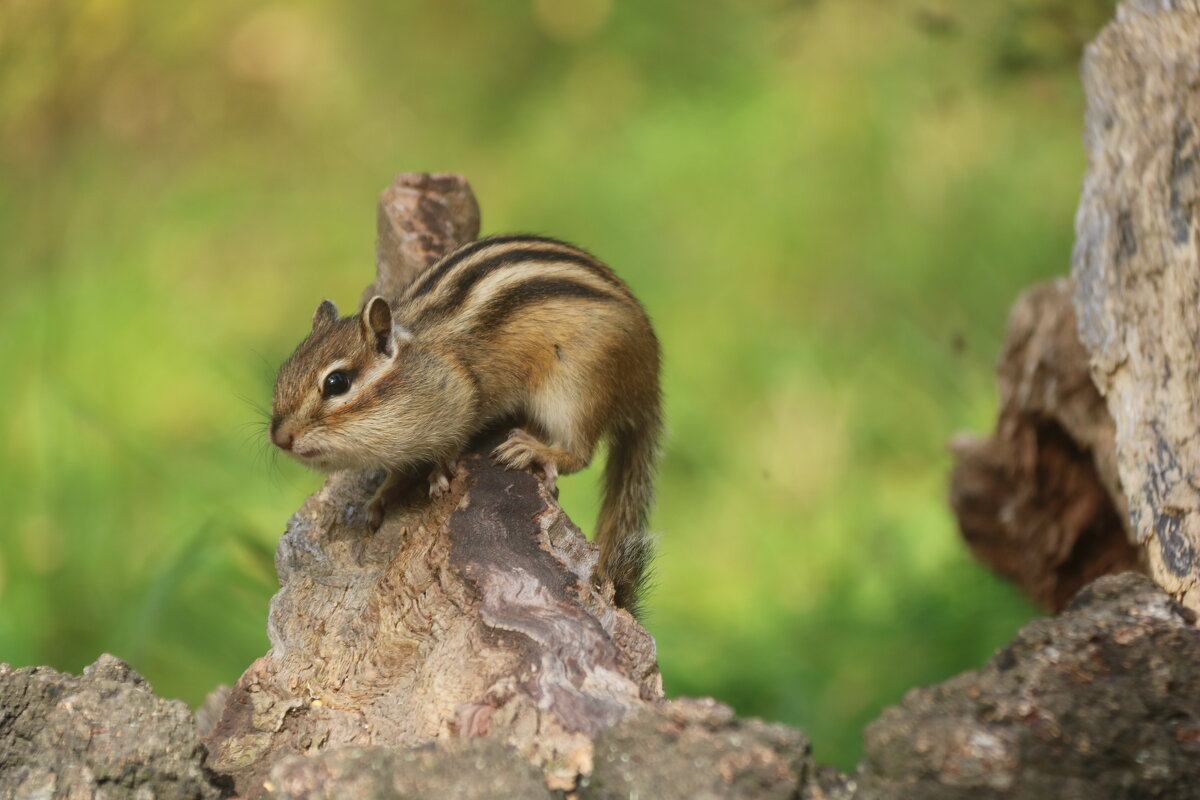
353 393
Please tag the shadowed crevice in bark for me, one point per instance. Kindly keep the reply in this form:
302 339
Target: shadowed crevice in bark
1040 500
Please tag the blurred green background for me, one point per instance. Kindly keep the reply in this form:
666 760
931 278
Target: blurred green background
827 207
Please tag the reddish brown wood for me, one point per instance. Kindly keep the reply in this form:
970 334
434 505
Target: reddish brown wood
1039 501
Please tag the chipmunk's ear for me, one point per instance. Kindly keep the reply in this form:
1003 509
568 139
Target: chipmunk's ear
377 326
326 313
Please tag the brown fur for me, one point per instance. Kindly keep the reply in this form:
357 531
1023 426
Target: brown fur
509 327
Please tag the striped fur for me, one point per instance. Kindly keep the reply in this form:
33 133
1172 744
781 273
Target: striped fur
511 327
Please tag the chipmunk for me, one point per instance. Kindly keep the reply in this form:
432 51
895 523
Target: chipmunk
509 327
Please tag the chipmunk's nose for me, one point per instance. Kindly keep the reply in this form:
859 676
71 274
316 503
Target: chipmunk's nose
283 439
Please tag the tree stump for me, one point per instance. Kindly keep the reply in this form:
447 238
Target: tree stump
473 615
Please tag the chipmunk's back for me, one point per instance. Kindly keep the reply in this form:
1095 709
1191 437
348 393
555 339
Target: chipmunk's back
552 334
484 284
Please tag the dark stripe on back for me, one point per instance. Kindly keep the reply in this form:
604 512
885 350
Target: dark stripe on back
441 268
471 275
500 308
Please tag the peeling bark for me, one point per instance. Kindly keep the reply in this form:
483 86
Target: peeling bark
476 770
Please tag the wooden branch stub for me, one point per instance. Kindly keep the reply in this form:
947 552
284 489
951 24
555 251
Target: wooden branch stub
473 615
421 218
1137 268
1039 501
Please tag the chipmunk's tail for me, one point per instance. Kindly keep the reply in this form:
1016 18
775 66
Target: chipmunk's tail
625 546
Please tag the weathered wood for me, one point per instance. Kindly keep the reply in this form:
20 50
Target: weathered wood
103 734
1137 269
1039 501
421 218
1099 702
681 750
1025 500
477 614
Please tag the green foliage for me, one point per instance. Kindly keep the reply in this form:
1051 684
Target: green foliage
827 207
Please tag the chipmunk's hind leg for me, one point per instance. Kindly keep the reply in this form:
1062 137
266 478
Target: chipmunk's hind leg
566 449
377 508
522 450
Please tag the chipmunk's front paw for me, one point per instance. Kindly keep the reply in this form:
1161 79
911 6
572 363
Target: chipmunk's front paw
521 451
375 512
378 506
440 477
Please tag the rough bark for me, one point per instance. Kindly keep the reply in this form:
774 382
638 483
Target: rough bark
473 615
1137 270
698 748
475 770
682 750
1029 501
1100 702
1040 500
103 734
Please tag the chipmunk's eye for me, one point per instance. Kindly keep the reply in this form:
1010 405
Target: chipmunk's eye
335 383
